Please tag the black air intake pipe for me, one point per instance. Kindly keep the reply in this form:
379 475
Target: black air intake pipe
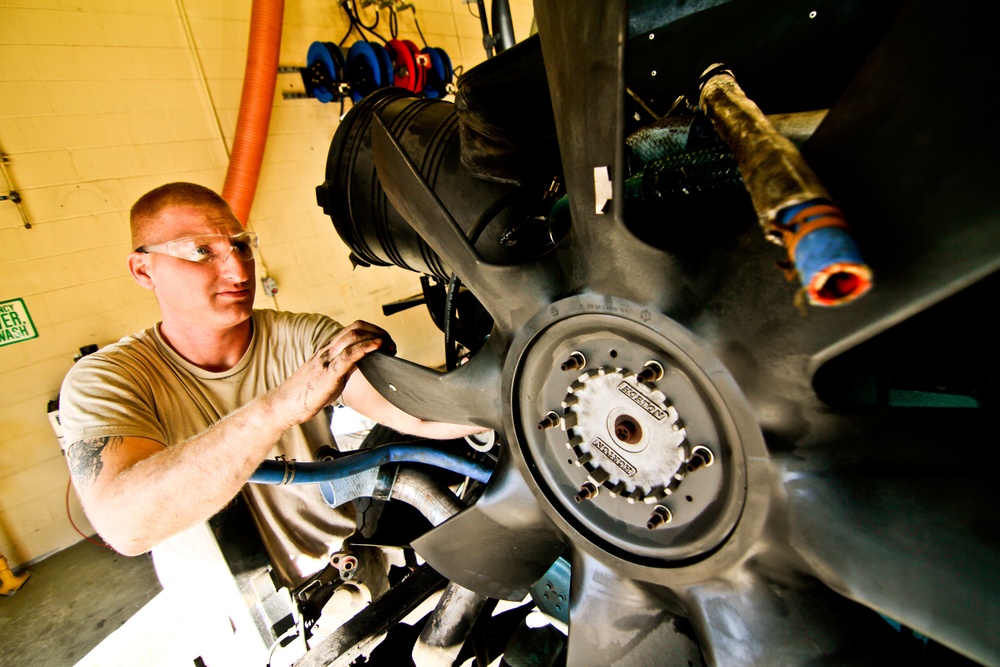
428 130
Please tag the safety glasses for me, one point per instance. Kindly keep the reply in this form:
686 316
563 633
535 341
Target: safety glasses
209 248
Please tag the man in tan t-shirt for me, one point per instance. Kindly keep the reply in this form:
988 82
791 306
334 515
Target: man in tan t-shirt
166 427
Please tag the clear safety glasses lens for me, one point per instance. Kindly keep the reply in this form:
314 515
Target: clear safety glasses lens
209 248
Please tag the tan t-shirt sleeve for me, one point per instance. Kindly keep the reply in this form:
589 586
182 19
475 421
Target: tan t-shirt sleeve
102 396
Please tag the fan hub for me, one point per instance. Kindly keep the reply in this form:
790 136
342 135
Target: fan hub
625 426
625 434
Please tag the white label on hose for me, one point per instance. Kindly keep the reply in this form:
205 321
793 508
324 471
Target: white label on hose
602 189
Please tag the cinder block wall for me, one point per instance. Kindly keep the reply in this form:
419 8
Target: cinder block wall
101 100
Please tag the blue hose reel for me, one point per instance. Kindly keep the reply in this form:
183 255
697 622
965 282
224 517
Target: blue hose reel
324 72
364 72
439 75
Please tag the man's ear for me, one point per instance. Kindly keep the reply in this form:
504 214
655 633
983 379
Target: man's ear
138 266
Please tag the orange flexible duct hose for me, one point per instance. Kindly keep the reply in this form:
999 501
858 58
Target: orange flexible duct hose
256 101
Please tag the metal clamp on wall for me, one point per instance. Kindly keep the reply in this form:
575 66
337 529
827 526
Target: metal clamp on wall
12 194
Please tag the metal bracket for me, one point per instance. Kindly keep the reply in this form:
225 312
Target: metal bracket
12 194
359 634
343 88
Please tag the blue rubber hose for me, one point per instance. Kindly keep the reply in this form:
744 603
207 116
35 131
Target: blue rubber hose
295 472
824 253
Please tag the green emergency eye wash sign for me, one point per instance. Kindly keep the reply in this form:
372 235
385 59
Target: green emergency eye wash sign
15 322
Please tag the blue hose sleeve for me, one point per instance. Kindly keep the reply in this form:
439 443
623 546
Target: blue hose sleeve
824 247
824 253
294 472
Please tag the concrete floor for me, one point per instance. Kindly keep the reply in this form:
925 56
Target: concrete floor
73 601
91 607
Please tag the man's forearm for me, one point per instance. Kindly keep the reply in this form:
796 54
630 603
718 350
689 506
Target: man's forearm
137 499
361 396
138 493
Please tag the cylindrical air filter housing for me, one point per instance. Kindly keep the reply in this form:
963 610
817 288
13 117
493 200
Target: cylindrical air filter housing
375 232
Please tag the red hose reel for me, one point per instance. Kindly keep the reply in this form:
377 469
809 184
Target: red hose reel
409 65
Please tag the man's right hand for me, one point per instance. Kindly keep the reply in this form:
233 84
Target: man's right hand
321 380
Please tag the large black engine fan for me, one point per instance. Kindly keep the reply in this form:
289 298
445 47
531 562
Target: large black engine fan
733 477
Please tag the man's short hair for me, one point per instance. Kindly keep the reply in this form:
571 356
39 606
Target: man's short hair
147 208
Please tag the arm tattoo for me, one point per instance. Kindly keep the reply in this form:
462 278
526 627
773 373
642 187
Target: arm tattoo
84 457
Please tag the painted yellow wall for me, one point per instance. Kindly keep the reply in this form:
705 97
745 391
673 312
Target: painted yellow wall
101 100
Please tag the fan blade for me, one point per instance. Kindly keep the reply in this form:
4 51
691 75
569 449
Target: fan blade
616 621
467 395
924 212
413 197
499 546
906 524
587 87
749 619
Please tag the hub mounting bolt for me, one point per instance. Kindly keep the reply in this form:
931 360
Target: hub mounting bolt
701 456
651 372
587 491
661 516
551 419
575 360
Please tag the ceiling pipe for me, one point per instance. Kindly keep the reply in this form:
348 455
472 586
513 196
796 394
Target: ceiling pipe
256 101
